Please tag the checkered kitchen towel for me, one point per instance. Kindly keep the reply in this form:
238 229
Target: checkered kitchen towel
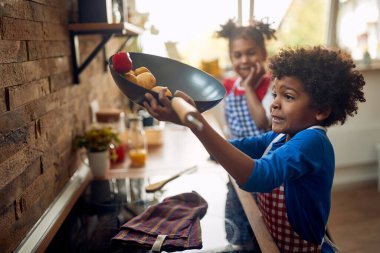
173 224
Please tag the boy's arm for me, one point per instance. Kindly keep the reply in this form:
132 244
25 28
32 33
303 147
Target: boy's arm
235 162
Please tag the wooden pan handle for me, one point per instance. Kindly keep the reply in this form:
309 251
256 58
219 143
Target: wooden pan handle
187 113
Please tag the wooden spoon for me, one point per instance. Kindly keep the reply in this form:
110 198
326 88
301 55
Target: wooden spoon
158 185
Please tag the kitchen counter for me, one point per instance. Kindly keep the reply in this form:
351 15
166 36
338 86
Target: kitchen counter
180 150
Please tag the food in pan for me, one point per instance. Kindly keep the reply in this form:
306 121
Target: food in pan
146 80
140 70
158 88
122 62
130 76
141 76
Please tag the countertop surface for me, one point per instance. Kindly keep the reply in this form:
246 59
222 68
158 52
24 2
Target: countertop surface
100 206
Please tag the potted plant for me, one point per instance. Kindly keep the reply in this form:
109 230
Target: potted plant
97 143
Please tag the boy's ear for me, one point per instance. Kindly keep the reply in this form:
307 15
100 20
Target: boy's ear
323 113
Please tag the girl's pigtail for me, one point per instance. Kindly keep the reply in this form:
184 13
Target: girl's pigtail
265 29
227 29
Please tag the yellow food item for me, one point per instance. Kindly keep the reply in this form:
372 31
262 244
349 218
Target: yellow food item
140 70
138 157
159 88
146 80
131 77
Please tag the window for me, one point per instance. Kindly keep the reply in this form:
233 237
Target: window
304 23
184 29
358 28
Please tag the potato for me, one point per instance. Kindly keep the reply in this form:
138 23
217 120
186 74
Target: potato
140 70
131 77
159 88
131 72
146 80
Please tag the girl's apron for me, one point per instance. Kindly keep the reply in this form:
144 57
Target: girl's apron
237 112
273 208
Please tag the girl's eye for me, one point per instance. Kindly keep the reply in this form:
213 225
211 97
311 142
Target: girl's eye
237 56
274 95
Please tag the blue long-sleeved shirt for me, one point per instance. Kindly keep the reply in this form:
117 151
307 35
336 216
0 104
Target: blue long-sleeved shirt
305 165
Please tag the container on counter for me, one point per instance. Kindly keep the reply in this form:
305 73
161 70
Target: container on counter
137 142
114 118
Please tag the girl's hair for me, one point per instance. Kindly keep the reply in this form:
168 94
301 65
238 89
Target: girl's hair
328 76
256 30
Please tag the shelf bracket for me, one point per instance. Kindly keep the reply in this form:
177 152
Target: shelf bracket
77 69
107 31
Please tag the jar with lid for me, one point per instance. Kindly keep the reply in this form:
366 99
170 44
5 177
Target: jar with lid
115 119
111 117
137 143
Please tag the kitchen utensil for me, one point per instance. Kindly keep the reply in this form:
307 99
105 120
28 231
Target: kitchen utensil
186 112
204 89
158 185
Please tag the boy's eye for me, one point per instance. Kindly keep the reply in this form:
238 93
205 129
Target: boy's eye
288 97
274 95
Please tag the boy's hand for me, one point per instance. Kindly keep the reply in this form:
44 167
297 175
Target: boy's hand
164 111
254 77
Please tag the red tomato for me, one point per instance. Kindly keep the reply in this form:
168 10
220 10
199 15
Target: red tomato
117 154
122 62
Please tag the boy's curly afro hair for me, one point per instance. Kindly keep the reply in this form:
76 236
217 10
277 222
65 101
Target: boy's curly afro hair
329 77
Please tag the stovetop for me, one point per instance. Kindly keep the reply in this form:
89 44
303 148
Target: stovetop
105 205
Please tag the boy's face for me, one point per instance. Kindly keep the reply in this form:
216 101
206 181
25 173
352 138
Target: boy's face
291 108
244 53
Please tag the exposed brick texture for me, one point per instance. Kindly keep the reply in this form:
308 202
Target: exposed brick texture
12 51
43 49
60 81
41 110
19 29
23 10
3 104
24 93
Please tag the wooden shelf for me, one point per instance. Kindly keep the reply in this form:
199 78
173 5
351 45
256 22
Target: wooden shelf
94 28
107 31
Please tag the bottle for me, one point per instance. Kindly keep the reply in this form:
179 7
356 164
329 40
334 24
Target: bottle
137 143
115 119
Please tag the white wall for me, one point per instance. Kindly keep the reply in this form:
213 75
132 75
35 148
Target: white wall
355 141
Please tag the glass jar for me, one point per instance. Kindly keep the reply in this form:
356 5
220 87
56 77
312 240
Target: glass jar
137 144
115 119
111 117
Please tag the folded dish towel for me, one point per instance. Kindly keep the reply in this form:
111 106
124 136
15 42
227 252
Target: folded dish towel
173 224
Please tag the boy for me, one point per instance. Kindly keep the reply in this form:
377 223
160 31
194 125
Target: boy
291 167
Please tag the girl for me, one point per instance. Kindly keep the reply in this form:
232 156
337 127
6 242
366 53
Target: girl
292 166
248 95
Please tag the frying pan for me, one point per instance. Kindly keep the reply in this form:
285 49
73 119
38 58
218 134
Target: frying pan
204 89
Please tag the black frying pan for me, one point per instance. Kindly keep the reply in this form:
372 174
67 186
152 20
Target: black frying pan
204 89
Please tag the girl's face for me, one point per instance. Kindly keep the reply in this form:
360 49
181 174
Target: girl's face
291 108
244 53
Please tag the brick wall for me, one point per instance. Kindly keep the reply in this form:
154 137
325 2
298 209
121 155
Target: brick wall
41 110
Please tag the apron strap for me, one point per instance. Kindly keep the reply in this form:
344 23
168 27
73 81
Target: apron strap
278 137
331 244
